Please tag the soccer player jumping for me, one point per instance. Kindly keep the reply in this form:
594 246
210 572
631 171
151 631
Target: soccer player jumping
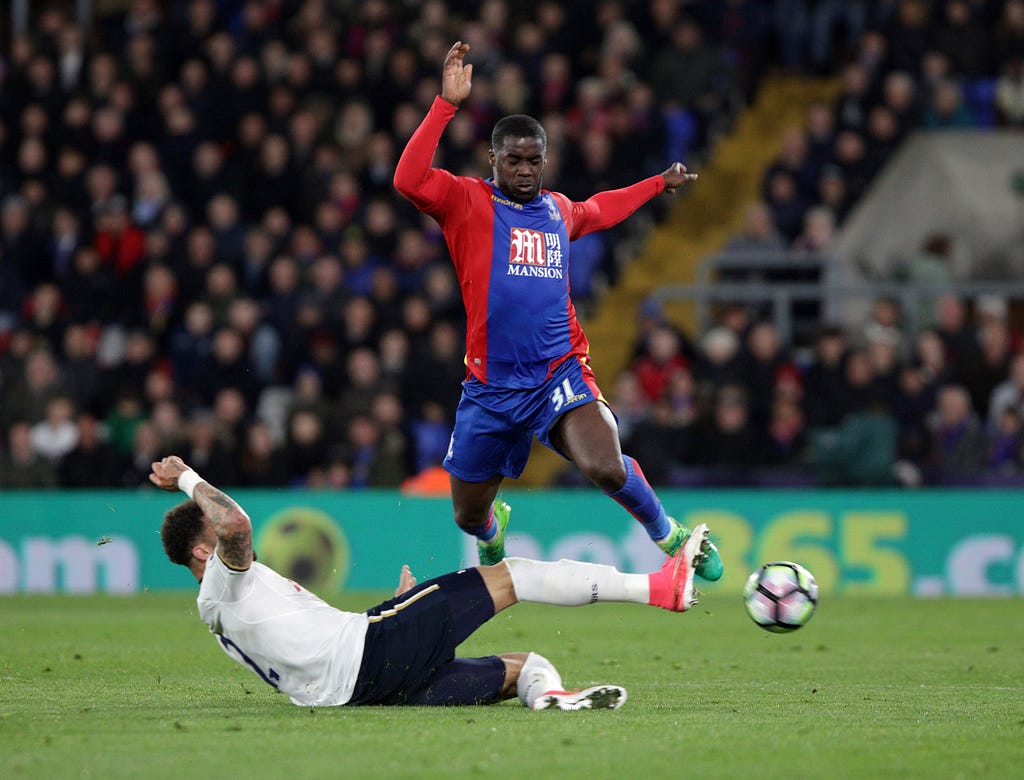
403 650
527 358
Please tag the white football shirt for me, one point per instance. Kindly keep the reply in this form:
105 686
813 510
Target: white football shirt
286 635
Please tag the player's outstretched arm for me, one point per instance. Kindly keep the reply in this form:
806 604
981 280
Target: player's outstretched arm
456 76
676 176
228 520
608 208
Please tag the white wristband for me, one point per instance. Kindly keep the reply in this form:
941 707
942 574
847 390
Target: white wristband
187 482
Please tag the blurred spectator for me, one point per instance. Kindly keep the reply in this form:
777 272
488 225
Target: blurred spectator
824 383
987 367
884 345
379 449
787 205
912 406
1010 92
228 365
1008 394
931 357
946 110
963 38
859 388
168 424
1009 33
851 109
728 439
21 467
763 359
26 395
819 231
931 269
432 373
262 463
662 358
56 434
691 75
1007 440
719 361
119 242
860 452
93 463
959 445
832 193
758 233
958 337
787 431
205 445
123 423
306 446
90 288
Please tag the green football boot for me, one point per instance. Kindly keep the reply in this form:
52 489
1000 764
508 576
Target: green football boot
493 552
710 568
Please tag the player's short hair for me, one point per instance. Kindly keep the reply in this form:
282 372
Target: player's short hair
517 126
183 525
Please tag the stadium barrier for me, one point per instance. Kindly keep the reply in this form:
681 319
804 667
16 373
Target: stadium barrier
857 543
830 298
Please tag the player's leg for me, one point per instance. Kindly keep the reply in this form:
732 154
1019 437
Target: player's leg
477 512
568 583
470 681
467 681
540 687
589 435
486 446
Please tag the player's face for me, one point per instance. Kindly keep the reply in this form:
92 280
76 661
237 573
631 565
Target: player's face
518 167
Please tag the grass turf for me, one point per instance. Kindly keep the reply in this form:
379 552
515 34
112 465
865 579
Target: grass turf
108 687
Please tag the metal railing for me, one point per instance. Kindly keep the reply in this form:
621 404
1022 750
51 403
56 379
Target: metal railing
830 294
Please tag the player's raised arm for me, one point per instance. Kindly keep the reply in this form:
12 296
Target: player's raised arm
229 521
456 76
433 190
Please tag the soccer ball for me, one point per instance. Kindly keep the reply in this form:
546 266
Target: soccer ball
780 596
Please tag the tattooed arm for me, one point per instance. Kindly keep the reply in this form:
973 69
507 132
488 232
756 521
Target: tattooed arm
227 519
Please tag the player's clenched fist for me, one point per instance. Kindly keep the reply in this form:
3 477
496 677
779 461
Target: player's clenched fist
166 472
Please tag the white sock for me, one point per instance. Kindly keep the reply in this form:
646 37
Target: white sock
568 583
537 677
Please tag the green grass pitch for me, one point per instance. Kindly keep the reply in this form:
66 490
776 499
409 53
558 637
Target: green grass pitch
110 687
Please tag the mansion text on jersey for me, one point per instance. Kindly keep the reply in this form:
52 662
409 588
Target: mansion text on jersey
533 270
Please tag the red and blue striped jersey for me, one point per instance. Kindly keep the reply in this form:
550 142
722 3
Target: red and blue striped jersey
511 258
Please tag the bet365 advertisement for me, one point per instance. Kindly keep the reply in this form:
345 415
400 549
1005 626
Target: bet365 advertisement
968 543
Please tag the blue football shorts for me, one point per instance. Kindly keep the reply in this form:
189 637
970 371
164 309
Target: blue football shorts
494 426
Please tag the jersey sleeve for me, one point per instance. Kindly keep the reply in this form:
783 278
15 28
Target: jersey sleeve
609 208
222 582
433 191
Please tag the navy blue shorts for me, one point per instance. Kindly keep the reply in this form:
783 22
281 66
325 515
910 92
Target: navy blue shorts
494 427
409 656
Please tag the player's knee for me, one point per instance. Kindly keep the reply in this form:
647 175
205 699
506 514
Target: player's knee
469 519
607 473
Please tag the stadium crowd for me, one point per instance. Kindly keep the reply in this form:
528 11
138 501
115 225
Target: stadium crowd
202 251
